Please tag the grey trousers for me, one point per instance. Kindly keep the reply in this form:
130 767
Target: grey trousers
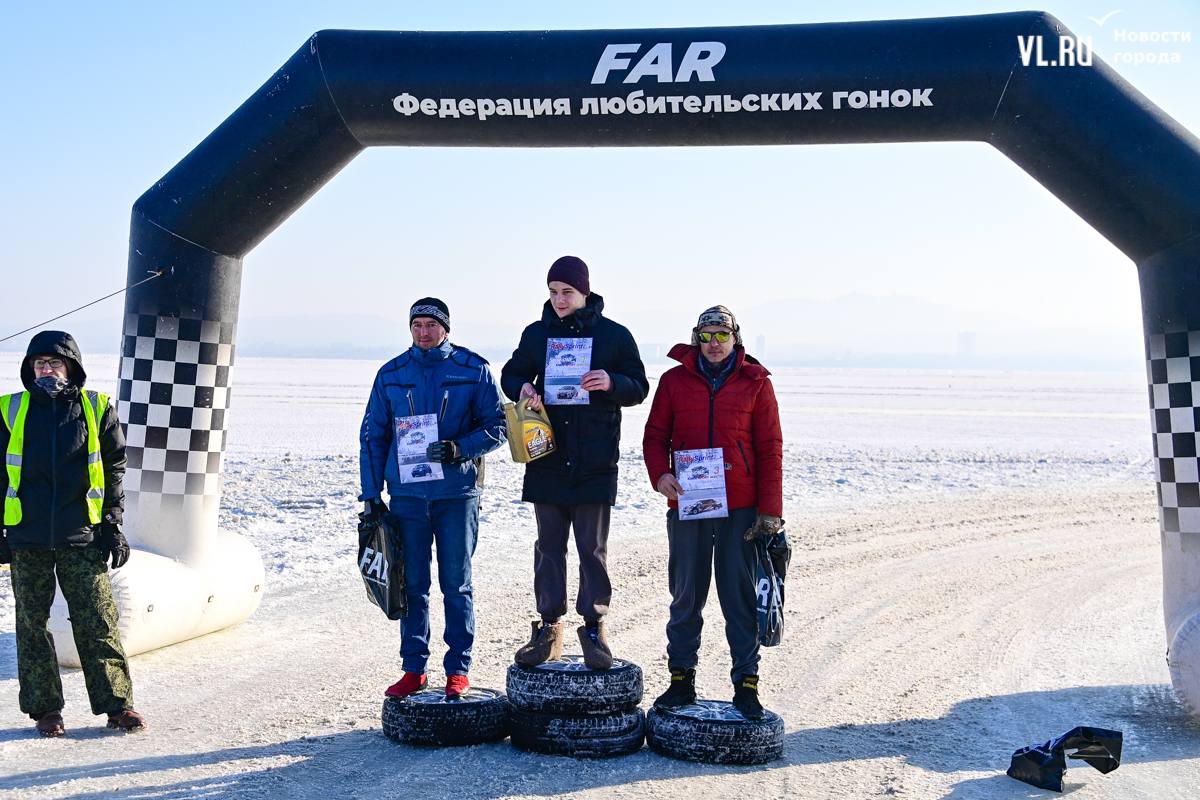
554 524
695 546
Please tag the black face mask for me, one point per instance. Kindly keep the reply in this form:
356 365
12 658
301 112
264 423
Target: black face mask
51 384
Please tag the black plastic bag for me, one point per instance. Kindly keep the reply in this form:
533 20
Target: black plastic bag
1043 765
781 554
773 556
381 564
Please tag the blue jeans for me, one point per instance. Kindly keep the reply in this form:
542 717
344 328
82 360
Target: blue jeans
454 525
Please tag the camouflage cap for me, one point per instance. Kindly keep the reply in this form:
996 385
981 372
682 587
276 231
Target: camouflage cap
718 315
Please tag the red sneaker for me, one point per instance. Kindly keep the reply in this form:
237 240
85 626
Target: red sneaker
409 683
456 685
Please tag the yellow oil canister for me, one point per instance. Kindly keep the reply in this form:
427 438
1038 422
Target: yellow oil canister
529 433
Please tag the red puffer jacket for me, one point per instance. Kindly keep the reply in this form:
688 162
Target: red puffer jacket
742 418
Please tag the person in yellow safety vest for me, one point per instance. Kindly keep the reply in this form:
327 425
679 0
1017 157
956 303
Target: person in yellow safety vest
64 461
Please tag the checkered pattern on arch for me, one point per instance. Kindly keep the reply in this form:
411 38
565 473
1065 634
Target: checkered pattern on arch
1173 373
173 400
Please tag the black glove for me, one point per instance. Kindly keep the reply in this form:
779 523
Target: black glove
5 552
444 452
368 520
112 544
764 525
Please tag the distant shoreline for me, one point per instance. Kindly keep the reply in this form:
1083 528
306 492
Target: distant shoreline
497 357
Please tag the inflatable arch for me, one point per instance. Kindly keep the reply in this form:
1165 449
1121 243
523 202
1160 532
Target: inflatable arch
1077 127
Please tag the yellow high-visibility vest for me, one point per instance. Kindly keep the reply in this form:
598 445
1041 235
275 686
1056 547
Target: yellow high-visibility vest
13 408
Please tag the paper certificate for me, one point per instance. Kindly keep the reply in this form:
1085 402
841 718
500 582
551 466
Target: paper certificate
701 473
413 436
566 362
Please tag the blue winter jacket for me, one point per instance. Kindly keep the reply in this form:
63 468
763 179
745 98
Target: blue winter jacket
449 381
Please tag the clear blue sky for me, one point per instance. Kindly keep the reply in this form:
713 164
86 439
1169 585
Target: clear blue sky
101 99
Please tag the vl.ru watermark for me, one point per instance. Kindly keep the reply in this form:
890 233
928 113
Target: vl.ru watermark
1153 47
1156 39
1071 51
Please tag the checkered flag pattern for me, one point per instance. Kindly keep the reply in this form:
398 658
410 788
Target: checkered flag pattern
1173 374
173 403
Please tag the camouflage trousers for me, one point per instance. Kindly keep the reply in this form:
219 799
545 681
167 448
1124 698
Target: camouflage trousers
83 579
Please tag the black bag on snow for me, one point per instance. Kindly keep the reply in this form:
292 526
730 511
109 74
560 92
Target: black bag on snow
773 556
1043 765
381 564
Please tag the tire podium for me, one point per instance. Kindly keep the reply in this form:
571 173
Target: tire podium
427 717
564 708
714 732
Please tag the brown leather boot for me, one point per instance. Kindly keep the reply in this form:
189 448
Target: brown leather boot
51 724
127 720
544 645
595 646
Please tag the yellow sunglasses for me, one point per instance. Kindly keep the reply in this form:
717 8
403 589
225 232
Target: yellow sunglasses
707 336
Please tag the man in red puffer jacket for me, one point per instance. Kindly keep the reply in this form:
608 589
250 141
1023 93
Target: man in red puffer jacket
718 397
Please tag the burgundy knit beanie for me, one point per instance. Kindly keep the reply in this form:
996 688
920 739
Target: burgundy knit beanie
570 270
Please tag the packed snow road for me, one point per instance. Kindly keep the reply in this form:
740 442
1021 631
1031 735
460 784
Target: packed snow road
925 642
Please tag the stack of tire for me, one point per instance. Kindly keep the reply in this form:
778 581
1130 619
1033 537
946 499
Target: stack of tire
714 732
564 708
429 718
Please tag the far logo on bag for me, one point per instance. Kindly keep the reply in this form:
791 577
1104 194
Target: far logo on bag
381 565
374 566
770 570
765 601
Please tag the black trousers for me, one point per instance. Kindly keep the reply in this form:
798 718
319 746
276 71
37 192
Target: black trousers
696 547
554 523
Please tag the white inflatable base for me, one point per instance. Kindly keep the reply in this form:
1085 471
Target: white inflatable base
1183 660
161 601
1181 610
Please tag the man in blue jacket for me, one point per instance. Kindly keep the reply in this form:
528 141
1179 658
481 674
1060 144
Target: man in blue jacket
433 413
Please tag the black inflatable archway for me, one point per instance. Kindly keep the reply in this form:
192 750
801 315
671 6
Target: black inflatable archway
1080 130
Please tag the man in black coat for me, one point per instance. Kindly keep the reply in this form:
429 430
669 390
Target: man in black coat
595 369
63 502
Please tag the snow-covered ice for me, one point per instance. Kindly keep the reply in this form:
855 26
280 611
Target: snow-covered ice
977 568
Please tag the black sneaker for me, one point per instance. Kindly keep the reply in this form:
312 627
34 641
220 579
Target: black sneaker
682 690
745 697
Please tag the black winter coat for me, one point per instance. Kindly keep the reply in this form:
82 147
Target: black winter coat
583 467
54 479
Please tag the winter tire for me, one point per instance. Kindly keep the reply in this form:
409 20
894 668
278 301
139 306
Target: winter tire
428 717
589 736
714 732
567 687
